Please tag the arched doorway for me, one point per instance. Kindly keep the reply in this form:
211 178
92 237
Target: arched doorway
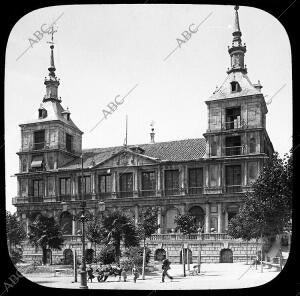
48 256
169 224
186 252
89 256
226 256
198 214
160 255
66 223
68 256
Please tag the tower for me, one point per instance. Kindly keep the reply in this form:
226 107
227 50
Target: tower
236 135
48 141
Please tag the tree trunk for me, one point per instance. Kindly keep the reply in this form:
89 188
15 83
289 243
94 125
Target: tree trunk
44 258
144 260
247 252
256 257
183 259
199 258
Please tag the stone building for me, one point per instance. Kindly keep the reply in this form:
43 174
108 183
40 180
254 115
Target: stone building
205 176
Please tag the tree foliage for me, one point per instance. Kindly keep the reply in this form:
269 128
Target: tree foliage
186 223
147 224
45 233
14 229
117 228
267 209
135 255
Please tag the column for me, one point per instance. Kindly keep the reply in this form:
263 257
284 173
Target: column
93 185
159 187
220 218
182 176
206 176
226 220
159 220
114 184
73 186
135 183
27 224
245 174
136 215
207 218
73 227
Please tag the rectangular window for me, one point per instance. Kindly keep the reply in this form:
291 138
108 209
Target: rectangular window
252 172
50 181
148 183
86 184
38 188
104 184
23 187
172 182
65 186
233 178
195 181
69 140
233 146
39 139
233 118
126 185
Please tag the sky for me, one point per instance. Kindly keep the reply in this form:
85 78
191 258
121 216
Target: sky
108 52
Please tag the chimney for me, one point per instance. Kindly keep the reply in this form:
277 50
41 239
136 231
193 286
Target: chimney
152 134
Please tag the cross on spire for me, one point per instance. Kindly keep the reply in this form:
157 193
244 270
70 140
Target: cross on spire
52 31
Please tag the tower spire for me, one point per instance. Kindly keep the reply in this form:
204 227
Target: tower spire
51 81
237 50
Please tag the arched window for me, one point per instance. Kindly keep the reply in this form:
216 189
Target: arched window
68 256
226 256
252 145
188 256
169 218
199 214
160 255
66 223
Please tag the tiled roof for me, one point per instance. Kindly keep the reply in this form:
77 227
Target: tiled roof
182 150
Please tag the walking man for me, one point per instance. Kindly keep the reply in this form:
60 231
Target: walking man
165 268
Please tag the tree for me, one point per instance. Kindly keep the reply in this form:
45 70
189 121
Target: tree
45 233
266 210
117 228
186 223
94 232
16 234
147 225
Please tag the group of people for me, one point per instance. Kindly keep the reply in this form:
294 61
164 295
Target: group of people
104 271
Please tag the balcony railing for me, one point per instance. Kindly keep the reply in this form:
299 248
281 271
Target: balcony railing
171 191
147 192
193 236
195 190
233 188
235 124
66 197
234 150
103 195
122 194
39 145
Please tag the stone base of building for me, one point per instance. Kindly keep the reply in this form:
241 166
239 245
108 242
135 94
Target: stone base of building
225 251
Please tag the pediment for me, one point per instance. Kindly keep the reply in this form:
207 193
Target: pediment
128 158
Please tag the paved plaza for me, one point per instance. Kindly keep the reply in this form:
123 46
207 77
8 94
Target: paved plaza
212 276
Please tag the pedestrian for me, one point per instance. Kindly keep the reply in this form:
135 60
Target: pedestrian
106 272
90 273
165 268
135 273
123 274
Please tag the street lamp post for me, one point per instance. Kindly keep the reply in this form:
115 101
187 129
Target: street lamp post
83 277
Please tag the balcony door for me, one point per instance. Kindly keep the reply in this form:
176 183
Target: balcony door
126 185
172 182
233 178
148 184
195 181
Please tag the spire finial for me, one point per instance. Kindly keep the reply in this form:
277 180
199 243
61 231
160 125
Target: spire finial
236 21
52 69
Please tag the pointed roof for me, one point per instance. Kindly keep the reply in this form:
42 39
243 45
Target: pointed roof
224 91
175 151
55 111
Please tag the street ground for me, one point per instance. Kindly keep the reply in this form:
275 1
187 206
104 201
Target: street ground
212 276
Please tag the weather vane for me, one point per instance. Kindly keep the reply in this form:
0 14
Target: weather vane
51 31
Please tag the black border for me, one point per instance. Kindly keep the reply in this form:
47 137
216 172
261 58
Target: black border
288 281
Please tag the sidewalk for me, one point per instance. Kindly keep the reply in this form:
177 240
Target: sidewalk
212 276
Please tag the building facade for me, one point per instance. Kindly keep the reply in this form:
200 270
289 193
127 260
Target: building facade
205 177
